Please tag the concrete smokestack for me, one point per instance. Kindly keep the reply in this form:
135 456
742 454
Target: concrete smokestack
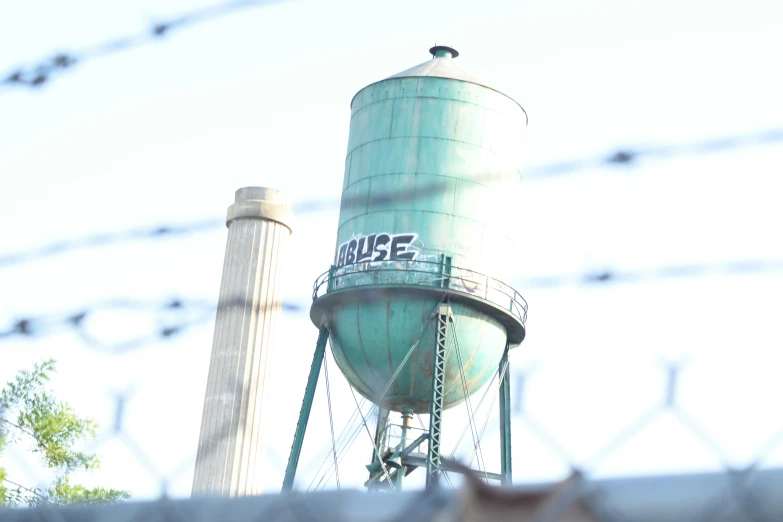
231 449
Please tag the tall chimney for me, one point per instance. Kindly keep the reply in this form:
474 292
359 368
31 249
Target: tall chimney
231 449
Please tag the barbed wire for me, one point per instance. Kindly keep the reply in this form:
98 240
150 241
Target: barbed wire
168 318
621 157
682 271
36 75
108 239
174 316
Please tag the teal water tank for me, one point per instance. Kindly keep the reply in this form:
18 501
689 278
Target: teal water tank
433 155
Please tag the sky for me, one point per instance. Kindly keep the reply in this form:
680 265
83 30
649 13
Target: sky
166 132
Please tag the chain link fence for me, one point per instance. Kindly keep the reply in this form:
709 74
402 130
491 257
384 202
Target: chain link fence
588 445
579 490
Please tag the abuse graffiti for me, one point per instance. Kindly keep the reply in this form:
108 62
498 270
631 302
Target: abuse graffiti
377 247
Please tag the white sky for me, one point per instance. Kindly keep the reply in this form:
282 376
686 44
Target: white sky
167 132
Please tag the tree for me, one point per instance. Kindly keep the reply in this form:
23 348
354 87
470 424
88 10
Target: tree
30 413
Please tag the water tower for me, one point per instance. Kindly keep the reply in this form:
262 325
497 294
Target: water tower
417 305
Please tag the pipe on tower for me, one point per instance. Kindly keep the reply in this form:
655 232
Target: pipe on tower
231 449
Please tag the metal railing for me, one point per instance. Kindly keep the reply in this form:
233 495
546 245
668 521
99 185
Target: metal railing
436 274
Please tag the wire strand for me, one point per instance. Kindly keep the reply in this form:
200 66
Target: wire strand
620 157
340 442
468 405
491 406
41 73
331 421
372 441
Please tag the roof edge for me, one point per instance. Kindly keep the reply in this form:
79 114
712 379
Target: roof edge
393 78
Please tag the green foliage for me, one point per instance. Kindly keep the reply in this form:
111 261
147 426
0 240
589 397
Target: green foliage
29 411
63 493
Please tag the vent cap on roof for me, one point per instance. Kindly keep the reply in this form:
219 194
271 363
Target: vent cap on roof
442 51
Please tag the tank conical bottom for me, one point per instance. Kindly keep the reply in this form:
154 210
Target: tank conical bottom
371 335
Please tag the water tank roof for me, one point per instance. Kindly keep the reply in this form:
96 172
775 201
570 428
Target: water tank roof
440 66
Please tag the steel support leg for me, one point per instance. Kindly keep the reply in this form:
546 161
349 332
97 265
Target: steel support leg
505 419
438 389
304 413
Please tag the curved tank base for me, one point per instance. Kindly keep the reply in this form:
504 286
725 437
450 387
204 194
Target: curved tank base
373 329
